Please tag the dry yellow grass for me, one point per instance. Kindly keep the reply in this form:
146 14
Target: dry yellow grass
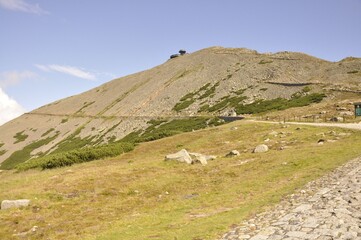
140 196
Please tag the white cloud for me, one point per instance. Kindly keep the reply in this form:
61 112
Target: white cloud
9 108
22 6
74 71
14 77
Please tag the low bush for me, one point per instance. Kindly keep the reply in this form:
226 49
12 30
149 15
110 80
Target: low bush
279 104
20 137
24 154
76 156
162 129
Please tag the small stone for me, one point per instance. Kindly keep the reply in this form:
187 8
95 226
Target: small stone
233 153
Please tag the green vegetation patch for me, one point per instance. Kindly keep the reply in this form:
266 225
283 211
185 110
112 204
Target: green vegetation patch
76 156
205 91
73 142
210 91
261 106
47 132
352 72
161 129
20 137
85 105
265 61
64 120
21 156
298 100
2 152
183 105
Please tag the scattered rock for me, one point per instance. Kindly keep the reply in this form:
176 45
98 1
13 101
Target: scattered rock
234 128
328 208
347 113
336 119
261 148
274 133
321 141
197 157
323 112
190 158
181 156
233 153
298 128
6 204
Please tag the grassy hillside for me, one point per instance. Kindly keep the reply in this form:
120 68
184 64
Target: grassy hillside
138 195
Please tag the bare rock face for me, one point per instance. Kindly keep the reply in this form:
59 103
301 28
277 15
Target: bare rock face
261 148
6 204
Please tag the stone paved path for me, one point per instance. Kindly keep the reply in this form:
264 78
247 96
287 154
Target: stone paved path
328 208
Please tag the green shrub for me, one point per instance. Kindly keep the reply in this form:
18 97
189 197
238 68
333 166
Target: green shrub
227 101
183 105
279 104
47 132
173 127
306 89
210 91
20 156
2 152
265 61
20 137
76 156
352 72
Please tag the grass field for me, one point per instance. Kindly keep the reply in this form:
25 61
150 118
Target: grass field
138 195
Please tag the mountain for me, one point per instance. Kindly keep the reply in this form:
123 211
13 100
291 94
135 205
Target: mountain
212 81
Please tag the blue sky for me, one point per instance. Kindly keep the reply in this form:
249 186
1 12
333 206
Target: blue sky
53 49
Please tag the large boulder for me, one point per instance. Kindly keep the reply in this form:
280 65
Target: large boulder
181 156
6 204
261 148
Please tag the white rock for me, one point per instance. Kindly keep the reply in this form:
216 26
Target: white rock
6 204
181 156
261 148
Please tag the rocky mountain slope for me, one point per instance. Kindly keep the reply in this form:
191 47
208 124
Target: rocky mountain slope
212 81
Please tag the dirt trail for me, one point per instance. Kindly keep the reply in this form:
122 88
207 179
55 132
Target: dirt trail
356 126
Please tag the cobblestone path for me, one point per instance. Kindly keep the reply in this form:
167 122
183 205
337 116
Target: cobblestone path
328 208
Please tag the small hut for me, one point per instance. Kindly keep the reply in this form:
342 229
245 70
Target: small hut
357 109
182 52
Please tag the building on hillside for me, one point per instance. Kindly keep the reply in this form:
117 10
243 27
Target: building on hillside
357 109
181 53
